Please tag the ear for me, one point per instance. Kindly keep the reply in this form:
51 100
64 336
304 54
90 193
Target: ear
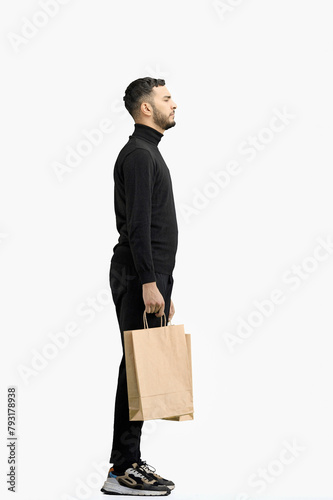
145 109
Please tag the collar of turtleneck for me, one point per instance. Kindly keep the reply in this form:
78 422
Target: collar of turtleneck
148 133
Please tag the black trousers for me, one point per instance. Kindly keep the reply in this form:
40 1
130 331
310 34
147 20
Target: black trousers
126 291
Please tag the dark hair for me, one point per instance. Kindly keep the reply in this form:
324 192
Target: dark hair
138 91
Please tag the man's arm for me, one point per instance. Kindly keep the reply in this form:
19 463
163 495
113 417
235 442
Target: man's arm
139 174
138 169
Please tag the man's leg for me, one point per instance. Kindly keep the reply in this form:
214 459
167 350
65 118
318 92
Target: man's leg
127 295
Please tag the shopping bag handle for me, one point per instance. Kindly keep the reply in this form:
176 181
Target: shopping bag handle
145 321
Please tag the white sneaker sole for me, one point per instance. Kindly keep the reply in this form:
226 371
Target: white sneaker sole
112 487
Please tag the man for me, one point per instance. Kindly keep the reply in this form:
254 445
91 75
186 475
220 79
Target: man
142 264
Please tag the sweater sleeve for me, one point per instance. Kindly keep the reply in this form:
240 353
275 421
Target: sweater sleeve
139 174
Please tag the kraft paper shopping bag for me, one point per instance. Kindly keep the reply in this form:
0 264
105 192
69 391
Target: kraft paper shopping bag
159 373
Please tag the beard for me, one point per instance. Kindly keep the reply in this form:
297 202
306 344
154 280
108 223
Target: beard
162 120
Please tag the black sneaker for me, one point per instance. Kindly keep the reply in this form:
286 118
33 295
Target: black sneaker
134 481
151 472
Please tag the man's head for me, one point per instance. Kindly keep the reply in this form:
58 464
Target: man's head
149 102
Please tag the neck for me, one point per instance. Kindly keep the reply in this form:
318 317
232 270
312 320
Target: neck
147 133
151 125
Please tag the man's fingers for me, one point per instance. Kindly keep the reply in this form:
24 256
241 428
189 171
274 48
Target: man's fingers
160 313
158 309
171 311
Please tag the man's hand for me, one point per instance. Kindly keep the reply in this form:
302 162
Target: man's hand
172 311
153 299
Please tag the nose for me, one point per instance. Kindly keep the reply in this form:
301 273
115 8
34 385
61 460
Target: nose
174 105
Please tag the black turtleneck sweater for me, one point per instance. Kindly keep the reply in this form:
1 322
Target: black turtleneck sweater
144 206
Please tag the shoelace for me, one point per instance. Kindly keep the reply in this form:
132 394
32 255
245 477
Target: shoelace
142 475
147 468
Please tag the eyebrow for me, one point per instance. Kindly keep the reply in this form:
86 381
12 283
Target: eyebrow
167 97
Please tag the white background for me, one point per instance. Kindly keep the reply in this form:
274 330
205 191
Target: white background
228 68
